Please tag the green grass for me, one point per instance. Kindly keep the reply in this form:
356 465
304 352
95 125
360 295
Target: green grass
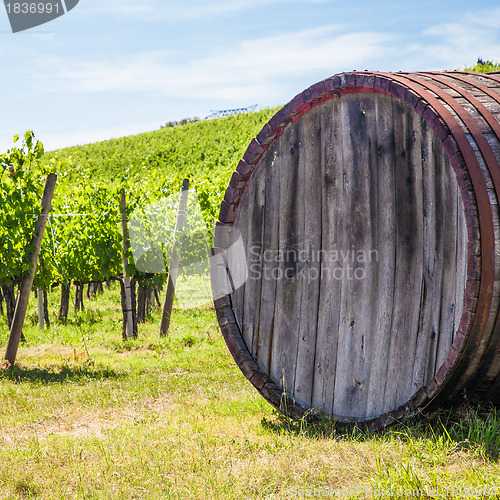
175 418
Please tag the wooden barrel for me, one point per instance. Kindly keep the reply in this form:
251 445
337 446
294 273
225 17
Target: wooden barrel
356 263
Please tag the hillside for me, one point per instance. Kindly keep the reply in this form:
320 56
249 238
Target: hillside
206 152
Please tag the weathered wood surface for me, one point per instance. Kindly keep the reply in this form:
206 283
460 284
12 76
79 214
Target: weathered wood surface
365 234
128 315
349 341
16 327
291 236
174 260
332 187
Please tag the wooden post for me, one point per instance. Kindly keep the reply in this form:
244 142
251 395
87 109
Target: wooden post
64 308
10 302
46 308
39 295
126 279
174 261
27 283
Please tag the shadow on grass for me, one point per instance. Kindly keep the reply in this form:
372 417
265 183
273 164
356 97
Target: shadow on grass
57 375
467 427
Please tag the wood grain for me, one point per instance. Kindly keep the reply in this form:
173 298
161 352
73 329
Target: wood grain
332 195
262 349
289 279
310 259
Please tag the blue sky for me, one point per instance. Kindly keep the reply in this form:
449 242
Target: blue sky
110 68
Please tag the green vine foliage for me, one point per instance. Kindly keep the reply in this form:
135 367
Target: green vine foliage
21 187
83 241
484 66
151 166
86 233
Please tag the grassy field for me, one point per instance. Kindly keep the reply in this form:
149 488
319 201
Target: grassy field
84 415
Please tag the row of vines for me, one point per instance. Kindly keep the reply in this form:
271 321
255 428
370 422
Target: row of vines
83 242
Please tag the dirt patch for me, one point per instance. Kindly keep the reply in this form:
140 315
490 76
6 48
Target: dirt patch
47 349
86 425
81 427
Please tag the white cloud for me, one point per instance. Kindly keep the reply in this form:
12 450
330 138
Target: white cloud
265 68
487 18
189 9
128 8
73 137
449 45
253 68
